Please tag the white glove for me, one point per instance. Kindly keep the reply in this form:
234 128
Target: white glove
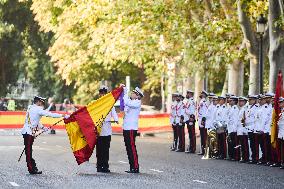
66 116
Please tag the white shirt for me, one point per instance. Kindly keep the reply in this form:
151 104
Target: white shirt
106 128
233 116
250 117
268 121
241 130
202 110
33 116
281 126
189 108
222 115
262 118
210 116
173 113
179 111
131 112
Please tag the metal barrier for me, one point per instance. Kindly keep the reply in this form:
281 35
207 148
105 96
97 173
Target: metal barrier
147 123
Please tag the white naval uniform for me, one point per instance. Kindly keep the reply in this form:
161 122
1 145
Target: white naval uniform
202 110
173 113
233 114
106 127
130 126
33 116
241 130
189 108
131 112
281 126
262 117
210 116
222 115
179 112
268 120
250 117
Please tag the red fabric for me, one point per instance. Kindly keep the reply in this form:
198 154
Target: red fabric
133 150
278 93
83 154
87 126
116 92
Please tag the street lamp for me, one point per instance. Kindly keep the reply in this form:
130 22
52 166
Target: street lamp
260 29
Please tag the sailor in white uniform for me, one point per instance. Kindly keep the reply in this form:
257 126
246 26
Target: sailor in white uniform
31 126
130 126
103 141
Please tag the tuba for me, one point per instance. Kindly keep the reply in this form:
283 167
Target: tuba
211 149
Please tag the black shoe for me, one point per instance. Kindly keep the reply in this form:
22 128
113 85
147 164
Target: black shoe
105 170
35 172
243 161
261 163
99 169
180 150
282 166
252 162
268 163
133 171
275 165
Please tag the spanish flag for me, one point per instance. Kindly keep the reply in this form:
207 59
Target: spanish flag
276 110
85 124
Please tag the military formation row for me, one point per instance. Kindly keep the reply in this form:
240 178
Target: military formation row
231 127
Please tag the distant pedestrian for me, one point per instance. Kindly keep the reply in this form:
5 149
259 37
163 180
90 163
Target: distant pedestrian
51 104
11 105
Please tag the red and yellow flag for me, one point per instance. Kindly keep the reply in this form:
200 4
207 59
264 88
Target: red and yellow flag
85 124
276 110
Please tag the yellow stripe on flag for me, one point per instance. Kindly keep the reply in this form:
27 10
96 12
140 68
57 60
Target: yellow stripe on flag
100 108
77 139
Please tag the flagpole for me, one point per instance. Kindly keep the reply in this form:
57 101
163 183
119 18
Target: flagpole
37 136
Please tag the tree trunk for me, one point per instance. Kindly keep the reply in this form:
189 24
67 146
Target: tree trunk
254 76
235 78
198 84
276 50
251 45
225 86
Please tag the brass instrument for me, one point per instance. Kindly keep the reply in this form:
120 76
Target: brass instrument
211 149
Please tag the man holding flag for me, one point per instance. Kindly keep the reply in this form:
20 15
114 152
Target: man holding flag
103 140
31 126
132 107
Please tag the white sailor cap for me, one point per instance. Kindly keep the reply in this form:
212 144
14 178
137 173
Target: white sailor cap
281 99
103 88
252 96
228 95
175 94
211 95
215 97
42 99
233 97
242 98
269 95
262 96
204 92
189 91
138 92
221 97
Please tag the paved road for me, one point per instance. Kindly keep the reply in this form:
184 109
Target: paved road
160 168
